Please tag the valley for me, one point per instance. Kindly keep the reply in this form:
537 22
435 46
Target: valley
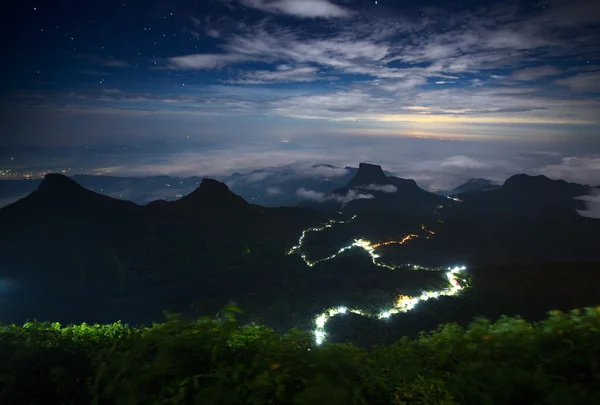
403 303
331 267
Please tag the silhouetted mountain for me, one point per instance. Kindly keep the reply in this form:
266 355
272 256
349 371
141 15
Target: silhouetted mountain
474 185
83 255
522 195
389 194
522 185
59 193
270 187
58 183
368 174
212 195
140 190
527 218
75 255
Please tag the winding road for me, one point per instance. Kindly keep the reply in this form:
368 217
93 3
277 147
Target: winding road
403 303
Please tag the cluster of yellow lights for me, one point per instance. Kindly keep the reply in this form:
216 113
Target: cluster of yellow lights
396 242
366 245
403 303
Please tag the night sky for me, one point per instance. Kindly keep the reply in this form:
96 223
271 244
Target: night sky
436 91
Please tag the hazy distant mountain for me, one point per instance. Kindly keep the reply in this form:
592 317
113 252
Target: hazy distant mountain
140 190
270 187
474 185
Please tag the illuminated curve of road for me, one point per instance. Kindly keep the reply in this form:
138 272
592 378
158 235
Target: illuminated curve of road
402 304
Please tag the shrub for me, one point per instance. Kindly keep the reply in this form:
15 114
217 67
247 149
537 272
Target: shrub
207 361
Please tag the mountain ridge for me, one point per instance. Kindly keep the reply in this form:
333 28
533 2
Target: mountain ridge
474 185
214 195
368 174
97 257
404 195
524 183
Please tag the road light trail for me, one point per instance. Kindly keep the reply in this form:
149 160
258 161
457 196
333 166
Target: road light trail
403 304
366 245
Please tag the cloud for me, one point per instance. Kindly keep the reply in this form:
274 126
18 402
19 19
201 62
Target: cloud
323 197
592 202
273 191
436 105
582 82
408 82
490 42
287 172
534 73
343 51
386 188
441 172
405 157
463 162
206 61
113 92
255 177
319 171
282 75
584 170
299 8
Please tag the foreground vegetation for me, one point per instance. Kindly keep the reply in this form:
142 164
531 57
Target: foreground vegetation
511 361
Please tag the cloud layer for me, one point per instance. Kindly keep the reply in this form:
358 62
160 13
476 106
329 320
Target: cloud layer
351 195
300 8
592 204
584 170
386 188
245 84
494 70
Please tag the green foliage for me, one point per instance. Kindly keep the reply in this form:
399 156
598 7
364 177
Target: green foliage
222 362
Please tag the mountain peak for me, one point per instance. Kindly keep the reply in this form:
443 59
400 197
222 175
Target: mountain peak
526 184
474 185
58 193
213 193
368 167
521 178
56 182
368 174
479 180
212 186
